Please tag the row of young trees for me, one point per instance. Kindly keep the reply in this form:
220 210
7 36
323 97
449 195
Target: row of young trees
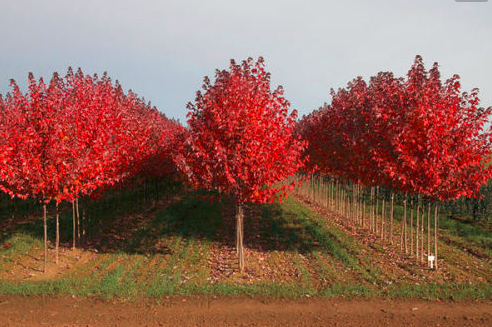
79 135
411 136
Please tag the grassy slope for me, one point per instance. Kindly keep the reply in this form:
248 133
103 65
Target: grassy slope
187 247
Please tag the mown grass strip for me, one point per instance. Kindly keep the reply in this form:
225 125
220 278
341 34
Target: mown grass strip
316 226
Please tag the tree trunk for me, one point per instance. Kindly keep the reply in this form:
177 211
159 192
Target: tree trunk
405 241
78 218
402 229
239 236
411 226
371 215
383 212
45 226
417 231
391 218
73 225
376 212
331 195
363 213
57 245
422 240
429 230
435 235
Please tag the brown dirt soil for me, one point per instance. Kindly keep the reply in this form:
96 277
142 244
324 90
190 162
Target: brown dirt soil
20 311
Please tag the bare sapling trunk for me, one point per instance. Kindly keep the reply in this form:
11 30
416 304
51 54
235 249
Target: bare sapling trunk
331 195
429 231
345 209
357 206
341 200
391 218
435 236
73 225
78 218
57 245
411 227
371 214
417 231
364 220
374 209
351 205
344 203
45 226
327 193
360 204
324 196
354 204
402 227
339 196
377 211
405 241
383 212
422 237
239 236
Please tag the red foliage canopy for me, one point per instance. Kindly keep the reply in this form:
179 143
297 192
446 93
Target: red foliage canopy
241 139
78 134
416 135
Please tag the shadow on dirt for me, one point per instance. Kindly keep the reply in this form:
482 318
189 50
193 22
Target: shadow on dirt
136 223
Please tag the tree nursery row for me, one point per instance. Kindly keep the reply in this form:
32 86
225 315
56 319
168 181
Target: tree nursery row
415 141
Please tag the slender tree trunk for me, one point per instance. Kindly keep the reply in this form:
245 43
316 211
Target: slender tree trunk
327 193
239 236
411 226
73 225
402 227
57 234
371 209
340 191
422 235
405 241
435 235
417 231
377 211
429 231
354 204
331 195
78 218
383 213
391 218
45 226
364 220
341 200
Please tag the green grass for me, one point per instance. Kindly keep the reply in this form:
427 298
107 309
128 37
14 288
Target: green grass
169 254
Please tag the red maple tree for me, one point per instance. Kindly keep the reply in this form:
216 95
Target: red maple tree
241 139
78 135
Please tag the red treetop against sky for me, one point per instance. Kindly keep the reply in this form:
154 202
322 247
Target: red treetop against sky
416 135
241 138
79 134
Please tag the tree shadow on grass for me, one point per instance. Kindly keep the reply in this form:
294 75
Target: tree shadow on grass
267 227
147 229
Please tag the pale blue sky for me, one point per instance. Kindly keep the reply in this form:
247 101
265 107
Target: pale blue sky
163 49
